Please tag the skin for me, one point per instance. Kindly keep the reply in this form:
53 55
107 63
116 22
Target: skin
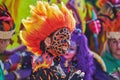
71 51
3 44
114 45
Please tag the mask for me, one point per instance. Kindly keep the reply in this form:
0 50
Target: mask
60 41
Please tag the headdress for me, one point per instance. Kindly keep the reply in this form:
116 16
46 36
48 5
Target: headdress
45 19
82 51
110 16
6 23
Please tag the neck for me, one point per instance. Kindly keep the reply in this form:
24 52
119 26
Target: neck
116 56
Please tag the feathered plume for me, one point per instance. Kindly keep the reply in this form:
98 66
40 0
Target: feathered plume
44 20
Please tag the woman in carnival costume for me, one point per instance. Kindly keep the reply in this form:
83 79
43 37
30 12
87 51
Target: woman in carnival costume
80 57
47 33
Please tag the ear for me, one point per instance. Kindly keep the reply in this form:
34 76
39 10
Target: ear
47 42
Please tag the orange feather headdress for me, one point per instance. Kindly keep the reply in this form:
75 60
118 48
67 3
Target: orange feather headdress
6 23
112 27
110 15
44 20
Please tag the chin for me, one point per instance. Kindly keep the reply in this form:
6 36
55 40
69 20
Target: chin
67 57
118 53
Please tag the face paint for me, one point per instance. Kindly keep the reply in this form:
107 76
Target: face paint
60 41
71 50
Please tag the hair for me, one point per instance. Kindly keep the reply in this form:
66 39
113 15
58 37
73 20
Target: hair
83 56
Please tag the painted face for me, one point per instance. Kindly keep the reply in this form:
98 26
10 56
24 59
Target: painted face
60 41
3 44
115 46
71 50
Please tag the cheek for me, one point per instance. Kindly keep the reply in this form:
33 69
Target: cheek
70 54
113 47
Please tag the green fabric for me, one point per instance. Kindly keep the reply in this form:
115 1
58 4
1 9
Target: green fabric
1 74
111 63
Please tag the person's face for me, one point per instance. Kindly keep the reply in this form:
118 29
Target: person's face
114 45
3 44
60 41
71 50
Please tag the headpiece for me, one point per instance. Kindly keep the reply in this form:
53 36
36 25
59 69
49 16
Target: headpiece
6 23
110 16
45 19
83 51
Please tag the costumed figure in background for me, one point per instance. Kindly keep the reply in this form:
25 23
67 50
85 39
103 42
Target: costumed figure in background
18 65
111 24
47 35
7 29
6 32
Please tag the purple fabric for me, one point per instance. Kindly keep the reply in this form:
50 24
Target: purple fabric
22 73
84 58
20 48
15 58
10 76
7 65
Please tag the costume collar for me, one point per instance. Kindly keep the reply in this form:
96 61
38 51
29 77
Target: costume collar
109 55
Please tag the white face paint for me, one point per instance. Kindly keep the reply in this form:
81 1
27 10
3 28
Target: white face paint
71 50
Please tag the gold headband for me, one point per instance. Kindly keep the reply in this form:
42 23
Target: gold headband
6 34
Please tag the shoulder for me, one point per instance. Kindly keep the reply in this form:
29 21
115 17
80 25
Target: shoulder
99 60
